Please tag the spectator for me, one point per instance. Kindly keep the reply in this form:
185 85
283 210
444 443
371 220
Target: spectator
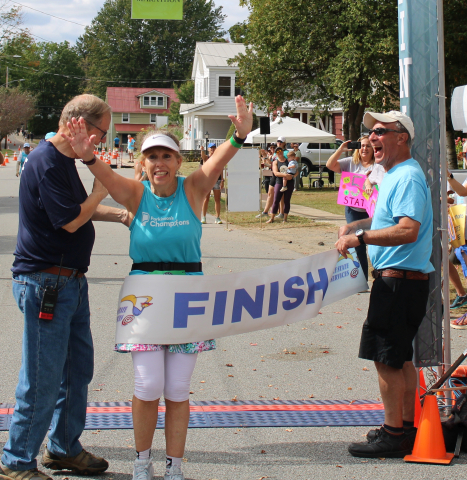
362 162
279 162
54 243
216 189
131 148
117 142
298 157
464 154
22 159
271 183
400 239
461 296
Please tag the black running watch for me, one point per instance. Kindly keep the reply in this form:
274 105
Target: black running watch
359 234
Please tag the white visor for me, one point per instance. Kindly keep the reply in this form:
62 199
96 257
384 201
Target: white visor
160 140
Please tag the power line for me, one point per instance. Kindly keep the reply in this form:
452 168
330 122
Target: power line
49 14
144 80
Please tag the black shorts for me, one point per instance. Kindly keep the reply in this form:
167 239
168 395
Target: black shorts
397 308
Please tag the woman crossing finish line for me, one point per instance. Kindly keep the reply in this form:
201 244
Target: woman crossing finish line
165 238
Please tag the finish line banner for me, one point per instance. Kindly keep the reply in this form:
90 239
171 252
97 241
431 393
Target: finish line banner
171 309
157 9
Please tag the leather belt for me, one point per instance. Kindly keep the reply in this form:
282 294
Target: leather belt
64 272
393 273
168 267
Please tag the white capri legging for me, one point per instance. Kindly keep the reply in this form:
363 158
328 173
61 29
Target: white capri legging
161 372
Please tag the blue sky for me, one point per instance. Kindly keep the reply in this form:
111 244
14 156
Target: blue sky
83 11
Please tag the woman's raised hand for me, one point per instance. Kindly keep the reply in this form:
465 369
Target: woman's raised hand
244 119
79 140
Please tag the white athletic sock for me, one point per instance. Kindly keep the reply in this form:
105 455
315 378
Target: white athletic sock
143 455
172 461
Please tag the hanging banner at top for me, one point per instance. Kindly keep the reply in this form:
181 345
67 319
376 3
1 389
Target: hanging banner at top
157 9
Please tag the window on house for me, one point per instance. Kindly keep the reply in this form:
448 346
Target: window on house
153 101
153 118
205 87
125 117
224 86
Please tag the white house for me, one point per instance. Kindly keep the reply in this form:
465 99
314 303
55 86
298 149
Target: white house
215 92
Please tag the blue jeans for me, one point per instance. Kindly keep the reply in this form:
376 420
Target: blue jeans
352 215
56 368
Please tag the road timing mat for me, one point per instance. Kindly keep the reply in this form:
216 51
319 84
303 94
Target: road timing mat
246 413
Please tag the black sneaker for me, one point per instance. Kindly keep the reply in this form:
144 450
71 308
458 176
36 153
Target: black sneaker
383 445
410 432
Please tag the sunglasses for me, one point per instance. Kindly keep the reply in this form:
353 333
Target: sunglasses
382 131
104 134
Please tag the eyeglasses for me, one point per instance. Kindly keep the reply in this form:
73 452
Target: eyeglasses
104 134
382 131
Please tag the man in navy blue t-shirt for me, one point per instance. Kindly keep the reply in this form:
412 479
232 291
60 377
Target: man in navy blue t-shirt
55 239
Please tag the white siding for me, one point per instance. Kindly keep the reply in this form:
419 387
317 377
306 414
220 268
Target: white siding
217 128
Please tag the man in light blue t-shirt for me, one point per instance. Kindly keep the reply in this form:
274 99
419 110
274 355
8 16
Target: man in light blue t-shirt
400 240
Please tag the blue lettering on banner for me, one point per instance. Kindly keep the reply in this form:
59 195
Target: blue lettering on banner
338 276
182 307
243 300
297 293
219 308
315 286
273 298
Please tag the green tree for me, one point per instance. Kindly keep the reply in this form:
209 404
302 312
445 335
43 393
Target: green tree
11 18
144 53
238 32
185 94
56 79
323 52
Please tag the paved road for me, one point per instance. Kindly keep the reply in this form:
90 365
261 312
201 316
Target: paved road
222 454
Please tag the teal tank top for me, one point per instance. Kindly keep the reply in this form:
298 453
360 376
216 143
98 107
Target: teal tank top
165 229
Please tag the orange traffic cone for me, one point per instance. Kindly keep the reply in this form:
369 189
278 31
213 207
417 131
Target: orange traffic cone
107 159
429 444
6 159
418 405
101 157
15 157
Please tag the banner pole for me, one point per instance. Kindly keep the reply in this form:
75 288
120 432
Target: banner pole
444 205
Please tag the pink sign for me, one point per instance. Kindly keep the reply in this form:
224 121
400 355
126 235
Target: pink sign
352 193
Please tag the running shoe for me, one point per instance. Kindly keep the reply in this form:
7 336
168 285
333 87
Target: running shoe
174 473
262 214
203 219
218 220
458 302
283 189
280 215
143 469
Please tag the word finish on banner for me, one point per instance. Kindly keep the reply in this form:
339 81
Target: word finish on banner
166 309
157 9
352 193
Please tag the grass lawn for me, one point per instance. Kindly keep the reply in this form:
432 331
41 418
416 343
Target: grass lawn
248 219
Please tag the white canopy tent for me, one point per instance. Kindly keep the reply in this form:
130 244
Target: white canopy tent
293 130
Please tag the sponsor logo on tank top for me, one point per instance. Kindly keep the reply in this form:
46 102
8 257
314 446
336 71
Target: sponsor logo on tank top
147 219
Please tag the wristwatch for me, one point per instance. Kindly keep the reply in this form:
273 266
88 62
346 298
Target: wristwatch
359 234
451 176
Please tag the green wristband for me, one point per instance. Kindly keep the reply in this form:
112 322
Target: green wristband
234 143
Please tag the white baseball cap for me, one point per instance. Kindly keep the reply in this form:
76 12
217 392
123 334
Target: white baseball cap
282 139
160 140
371 118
